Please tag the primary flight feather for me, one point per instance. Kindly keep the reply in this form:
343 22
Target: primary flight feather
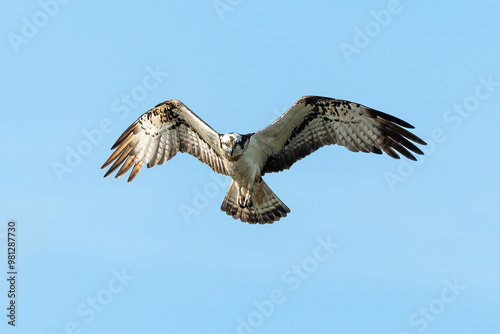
312 122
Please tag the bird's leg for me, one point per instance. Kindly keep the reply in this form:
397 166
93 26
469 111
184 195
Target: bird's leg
241 198
244 199
248 198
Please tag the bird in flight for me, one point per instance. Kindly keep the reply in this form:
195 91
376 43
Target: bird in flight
312 122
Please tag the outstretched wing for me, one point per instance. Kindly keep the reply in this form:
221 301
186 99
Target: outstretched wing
314 121
159 134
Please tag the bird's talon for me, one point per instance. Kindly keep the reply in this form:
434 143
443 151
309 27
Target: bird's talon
248 201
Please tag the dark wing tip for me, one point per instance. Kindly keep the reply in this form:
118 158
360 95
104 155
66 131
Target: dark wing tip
135 170
108 173
392 122
375 113
110 160
421 142
418 141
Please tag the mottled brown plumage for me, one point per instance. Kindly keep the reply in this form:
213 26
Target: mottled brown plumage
159 134
312 122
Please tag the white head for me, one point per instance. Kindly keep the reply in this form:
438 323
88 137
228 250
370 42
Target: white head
233 145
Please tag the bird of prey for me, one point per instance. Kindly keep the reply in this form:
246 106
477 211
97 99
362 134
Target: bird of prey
312 122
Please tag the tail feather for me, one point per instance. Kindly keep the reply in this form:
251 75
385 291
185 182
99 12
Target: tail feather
267 207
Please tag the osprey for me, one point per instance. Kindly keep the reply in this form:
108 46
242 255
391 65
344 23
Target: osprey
312 122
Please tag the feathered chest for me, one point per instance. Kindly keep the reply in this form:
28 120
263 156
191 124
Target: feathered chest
245 168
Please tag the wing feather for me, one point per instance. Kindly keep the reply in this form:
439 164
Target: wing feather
152 157
315 121
123 155
161 156
361 139
159 134
126 166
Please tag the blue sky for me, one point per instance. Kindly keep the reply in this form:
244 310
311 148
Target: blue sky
372 244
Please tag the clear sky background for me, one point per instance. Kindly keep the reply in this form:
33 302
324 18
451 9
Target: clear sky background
372 245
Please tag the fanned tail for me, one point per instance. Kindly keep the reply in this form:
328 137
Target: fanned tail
266 209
